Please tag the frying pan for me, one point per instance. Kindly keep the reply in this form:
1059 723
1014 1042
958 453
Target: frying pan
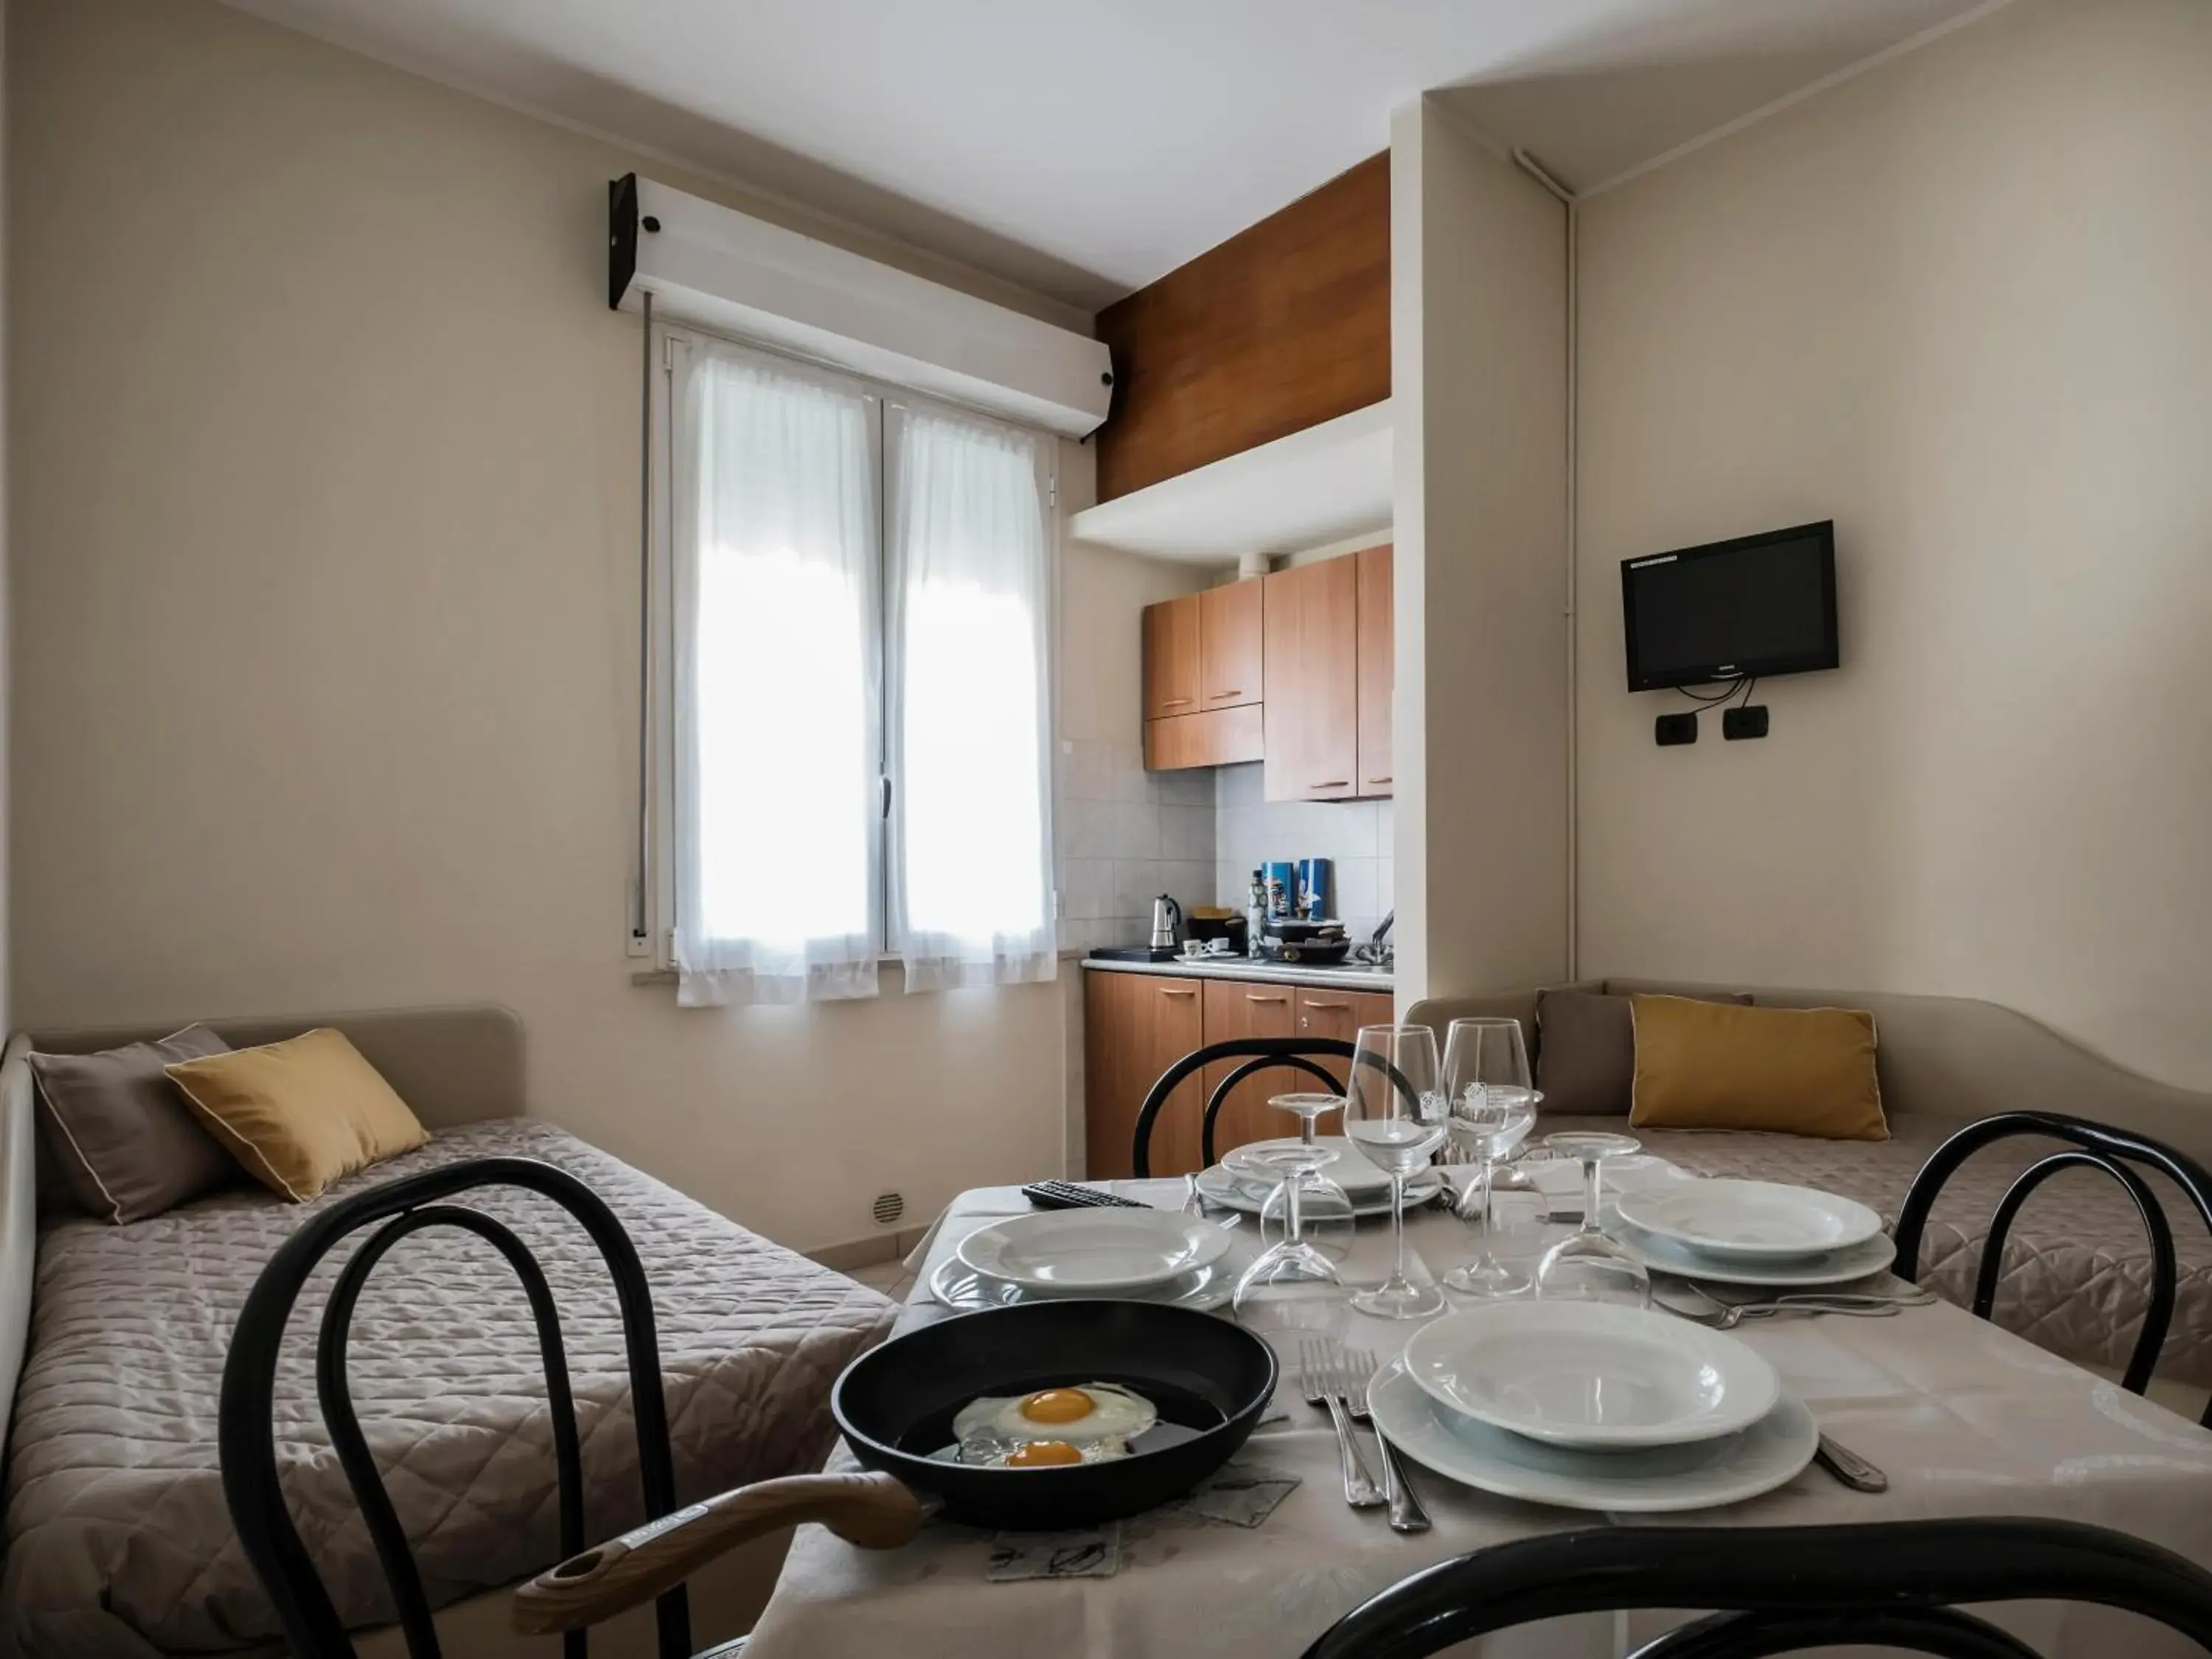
1210 1380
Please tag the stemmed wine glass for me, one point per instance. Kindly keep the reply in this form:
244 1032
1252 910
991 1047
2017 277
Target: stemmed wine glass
1293 1285
1590 1267
1493 1106
1394 1112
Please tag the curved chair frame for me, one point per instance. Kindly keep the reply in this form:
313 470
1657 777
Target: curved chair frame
1783 1590
2095 1146
1259 1055
246 1431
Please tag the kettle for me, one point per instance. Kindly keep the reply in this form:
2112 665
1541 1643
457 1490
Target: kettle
1167 919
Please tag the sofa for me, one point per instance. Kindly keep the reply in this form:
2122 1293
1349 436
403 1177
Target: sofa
2075 1271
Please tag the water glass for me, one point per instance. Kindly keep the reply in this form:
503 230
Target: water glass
1293 1285
1395 1113
1590 1267
1494 1105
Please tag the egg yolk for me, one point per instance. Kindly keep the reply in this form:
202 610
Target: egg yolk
1057 1406
1038 1454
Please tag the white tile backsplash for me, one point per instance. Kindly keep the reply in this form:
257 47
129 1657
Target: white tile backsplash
1355 837
1127 836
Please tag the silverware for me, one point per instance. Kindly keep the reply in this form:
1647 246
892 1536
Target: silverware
1727 1315
1407 1514
1321 1387
1848 1467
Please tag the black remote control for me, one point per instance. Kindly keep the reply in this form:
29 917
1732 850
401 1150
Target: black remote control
1066 1196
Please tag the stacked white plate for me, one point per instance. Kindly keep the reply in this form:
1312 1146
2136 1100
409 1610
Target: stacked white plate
1591 1405
1366 1186
1753 1232
1128 1254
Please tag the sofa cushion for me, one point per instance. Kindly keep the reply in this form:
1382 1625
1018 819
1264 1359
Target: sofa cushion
1586 1049
1801 1071
126 1142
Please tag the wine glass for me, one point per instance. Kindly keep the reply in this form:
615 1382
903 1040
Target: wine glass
1328 1222
1588 1265
1394 1112
1492 1107
1293 1285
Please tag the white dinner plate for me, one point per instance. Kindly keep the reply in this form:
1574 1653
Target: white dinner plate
1347 1166
1217 1186
1701 1475
958 1285
1093 1252
1593 1375
1809 1272
1760 1218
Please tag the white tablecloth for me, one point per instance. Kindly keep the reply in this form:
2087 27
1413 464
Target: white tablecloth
1966 1419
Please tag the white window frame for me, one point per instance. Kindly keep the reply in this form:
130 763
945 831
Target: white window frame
668 342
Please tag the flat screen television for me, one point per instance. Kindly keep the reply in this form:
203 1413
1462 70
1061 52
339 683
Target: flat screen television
1755 606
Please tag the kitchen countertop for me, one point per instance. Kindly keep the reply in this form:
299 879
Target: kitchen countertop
1347 976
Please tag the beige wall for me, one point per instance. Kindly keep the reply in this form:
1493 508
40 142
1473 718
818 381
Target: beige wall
325 522
1960 304
1478 329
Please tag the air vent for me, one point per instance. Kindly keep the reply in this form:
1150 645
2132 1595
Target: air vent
889 1208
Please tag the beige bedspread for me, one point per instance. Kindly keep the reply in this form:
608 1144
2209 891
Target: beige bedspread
2075 1276
117 1541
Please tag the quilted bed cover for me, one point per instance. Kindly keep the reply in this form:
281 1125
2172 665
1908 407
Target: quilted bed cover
117 1541
2075 1274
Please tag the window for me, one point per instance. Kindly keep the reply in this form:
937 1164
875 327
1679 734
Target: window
858 617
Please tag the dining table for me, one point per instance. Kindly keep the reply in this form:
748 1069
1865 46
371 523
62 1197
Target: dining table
1964 1419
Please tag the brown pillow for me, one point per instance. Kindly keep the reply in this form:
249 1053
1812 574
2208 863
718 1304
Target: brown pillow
1586 1050
127 1144
1797 1070
301 1112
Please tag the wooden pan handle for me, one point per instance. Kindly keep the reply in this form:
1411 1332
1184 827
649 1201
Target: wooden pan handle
875 1511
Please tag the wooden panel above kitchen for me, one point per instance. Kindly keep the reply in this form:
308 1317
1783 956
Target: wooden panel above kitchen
1284 325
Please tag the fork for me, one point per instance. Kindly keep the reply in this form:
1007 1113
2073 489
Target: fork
1323 1387
1407 1514
1726 1316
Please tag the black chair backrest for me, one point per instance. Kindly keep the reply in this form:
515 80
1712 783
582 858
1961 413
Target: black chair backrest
2094 1146
247 1427
1258 1053
1784 1589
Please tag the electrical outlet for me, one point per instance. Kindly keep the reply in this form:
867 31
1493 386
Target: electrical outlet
1746 722
639 945
1671 729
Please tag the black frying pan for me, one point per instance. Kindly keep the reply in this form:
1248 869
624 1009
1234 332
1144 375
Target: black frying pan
1209 1379
895 1404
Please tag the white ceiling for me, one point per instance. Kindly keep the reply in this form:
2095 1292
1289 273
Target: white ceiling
1084 150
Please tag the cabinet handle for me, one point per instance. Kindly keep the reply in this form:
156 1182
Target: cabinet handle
1385 778
1248 997
1314 1002
1332 783
1233 691
1169 991
1174 703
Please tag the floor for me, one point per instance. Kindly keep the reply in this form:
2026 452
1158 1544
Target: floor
891 1278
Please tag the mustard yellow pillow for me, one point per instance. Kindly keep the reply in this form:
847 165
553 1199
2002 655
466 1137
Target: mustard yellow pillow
301 1112
1712 1065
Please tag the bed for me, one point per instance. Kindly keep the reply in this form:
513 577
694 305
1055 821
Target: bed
117 1541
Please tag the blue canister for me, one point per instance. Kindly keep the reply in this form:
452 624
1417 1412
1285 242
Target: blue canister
1281 876
1313 895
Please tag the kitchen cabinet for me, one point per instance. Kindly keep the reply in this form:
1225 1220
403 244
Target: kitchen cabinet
1220 736
1171 657
1310 615
1372 575
1134 1027
1137 1025
1230 644
1239 1008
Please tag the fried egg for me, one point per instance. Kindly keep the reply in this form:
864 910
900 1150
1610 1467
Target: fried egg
1087 1415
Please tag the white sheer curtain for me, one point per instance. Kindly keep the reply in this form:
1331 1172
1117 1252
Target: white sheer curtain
969 722
778 683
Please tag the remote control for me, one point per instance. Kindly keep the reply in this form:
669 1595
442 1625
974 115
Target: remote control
1066 1196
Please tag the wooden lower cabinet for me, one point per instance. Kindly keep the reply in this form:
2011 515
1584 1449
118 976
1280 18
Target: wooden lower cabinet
1134 1027
1137 1025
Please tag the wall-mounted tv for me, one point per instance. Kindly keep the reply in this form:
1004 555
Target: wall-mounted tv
1755 606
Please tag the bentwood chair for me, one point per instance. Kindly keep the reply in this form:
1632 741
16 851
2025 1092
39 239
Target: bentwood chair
1893 1585
648 1563
1258 1054
2118 1153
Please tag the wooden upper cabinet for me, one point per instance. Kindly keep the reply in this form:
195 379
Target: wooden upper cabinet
1171 657
1229 645
1311 619
1375 671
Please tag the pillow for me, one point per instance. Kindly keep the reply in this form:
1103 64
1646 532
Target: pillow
1797 1070
127 1144
301 1112
1586 1050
